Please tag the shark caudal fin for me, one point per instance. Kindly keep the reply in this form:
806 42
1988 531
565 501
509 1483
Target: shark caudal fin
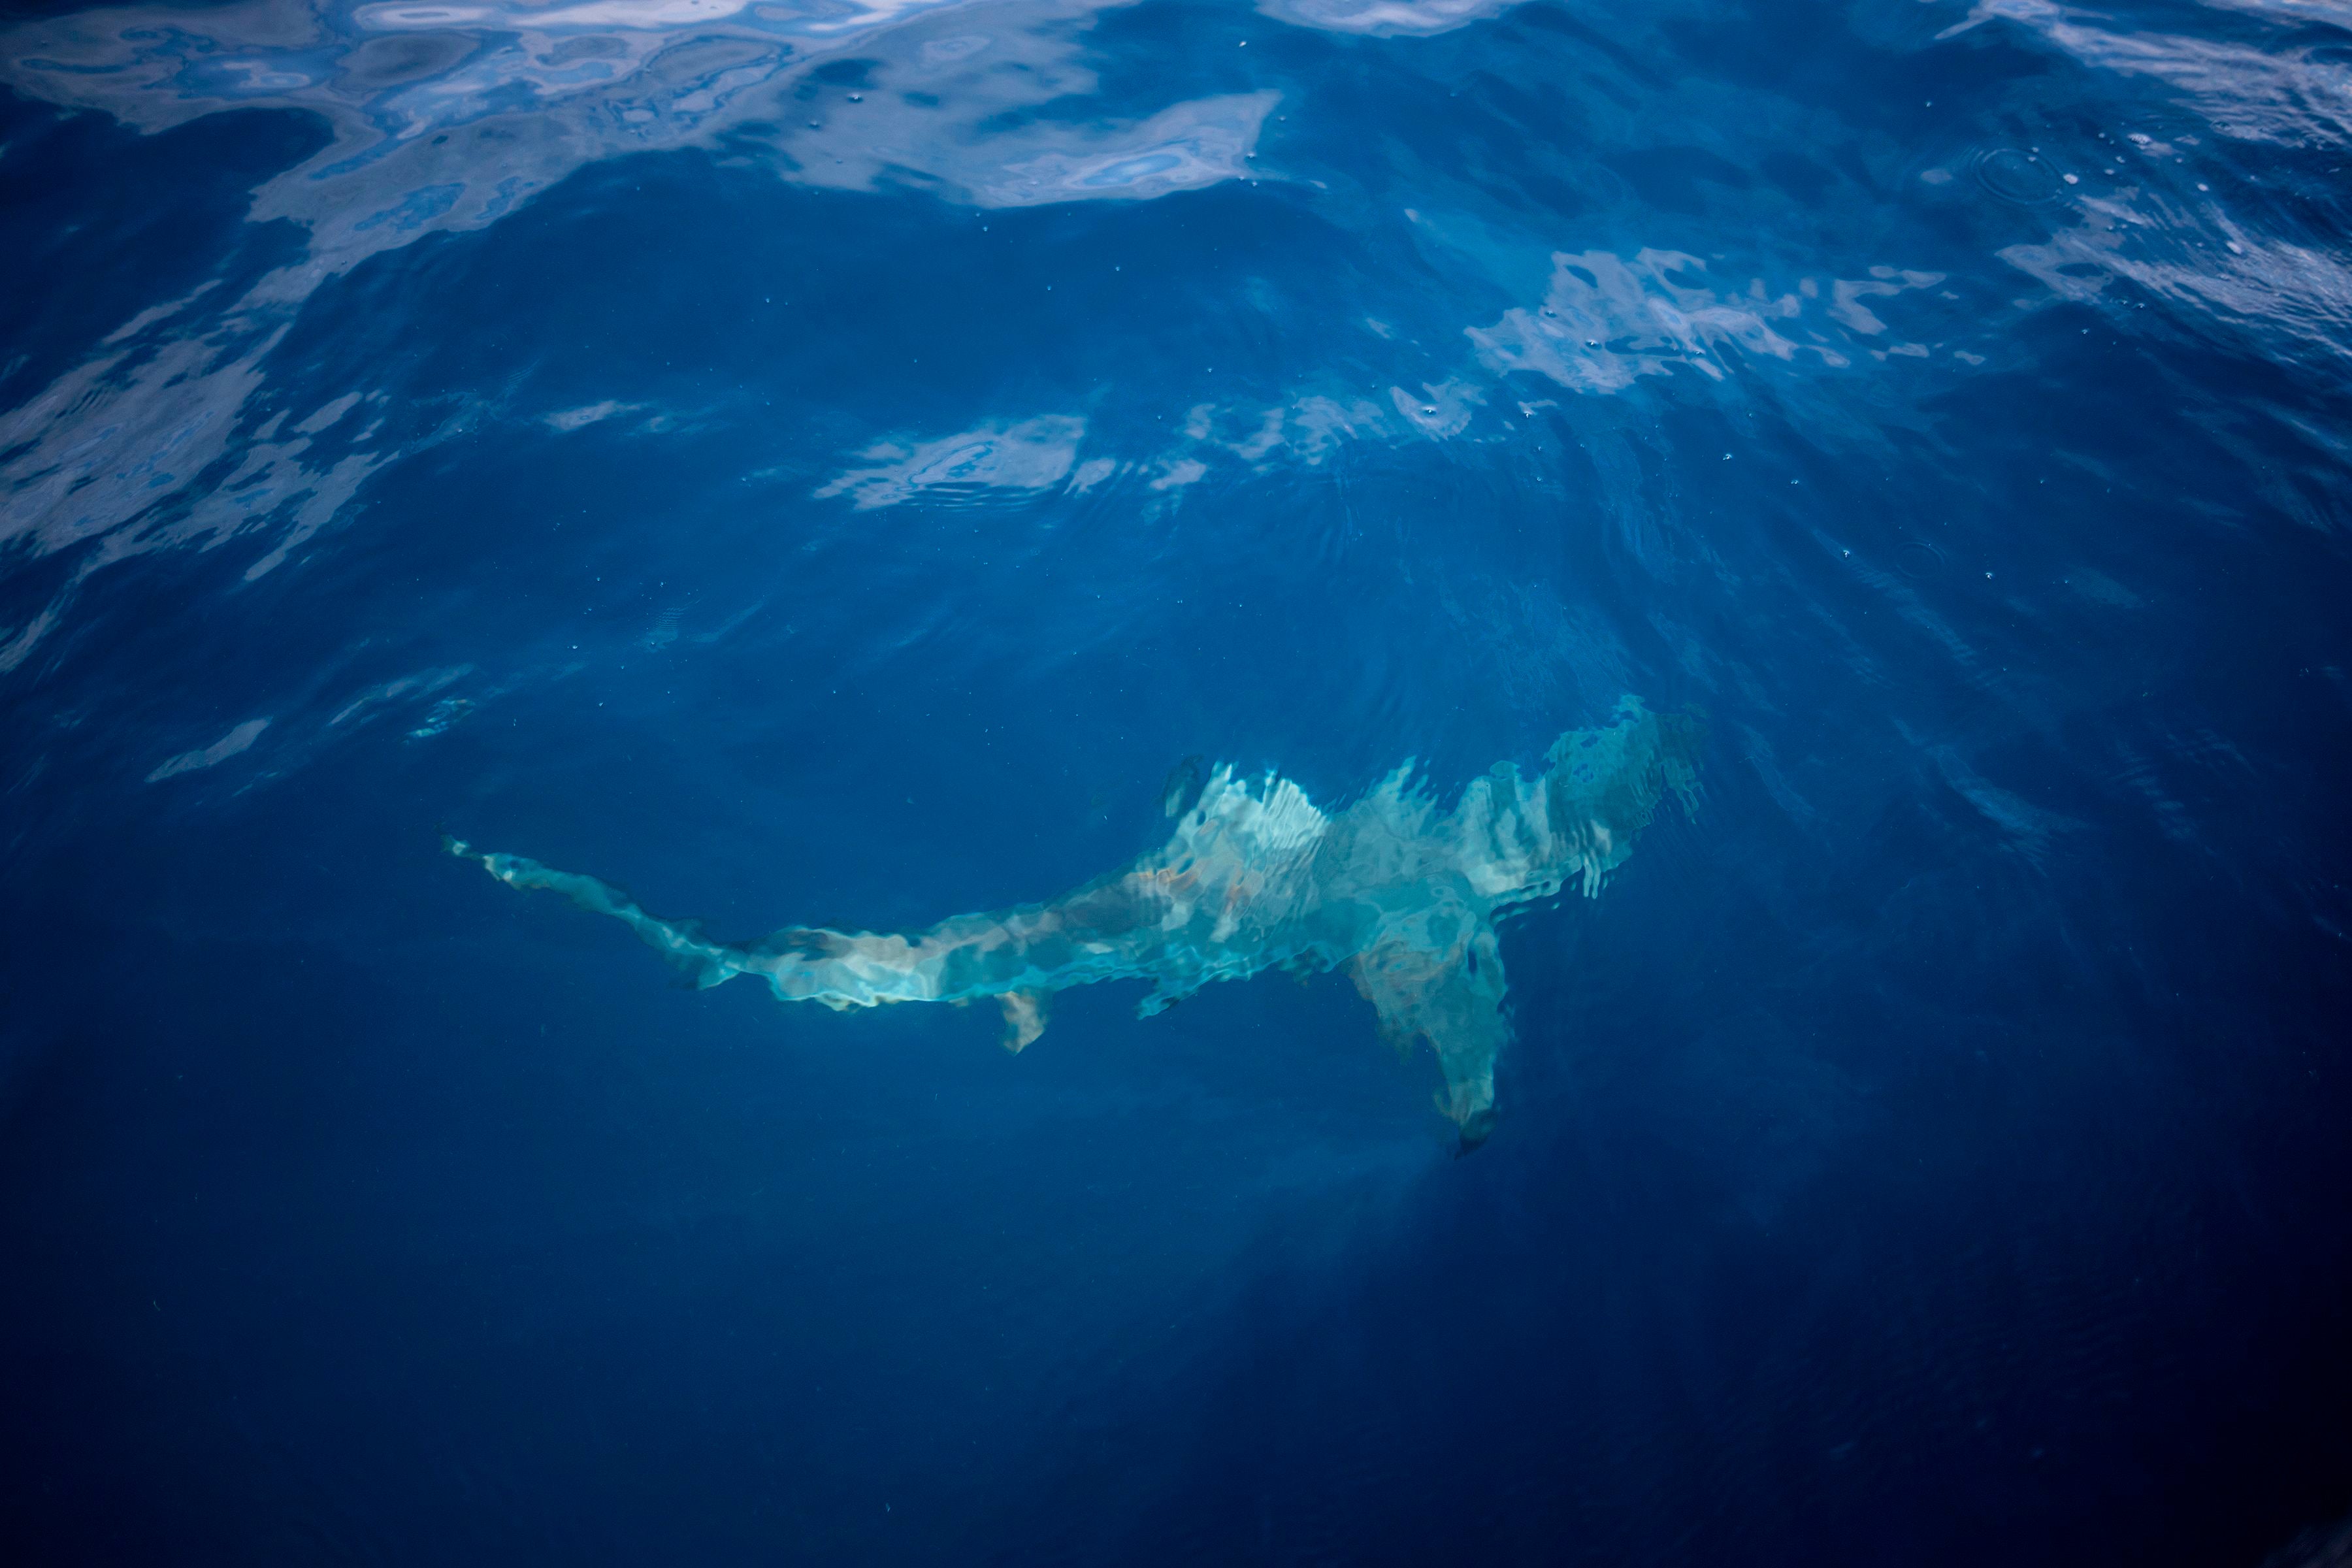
1450 995
696 957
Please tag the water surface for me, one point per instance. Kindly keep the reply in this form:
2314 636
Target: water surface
837 466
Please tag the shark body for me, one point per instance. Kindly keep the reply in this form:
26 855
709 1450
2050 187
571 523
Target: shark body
1255 876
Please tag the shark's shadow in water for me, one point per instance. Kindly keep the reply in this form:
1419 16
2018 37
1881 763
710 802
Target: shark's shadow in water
1257 876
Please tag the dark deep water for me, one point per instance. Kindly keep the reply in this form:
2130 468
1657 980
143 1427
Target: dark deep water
827 463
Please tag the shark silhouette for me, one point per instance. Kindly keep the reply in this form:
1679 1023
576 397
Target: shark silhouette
1257 876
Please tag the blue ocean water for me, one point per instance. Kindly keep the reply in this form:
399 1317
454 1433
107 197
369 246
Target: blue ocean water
845 466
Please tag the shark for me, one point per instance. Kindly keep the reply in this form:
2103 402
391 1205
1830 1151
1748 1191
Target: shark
1401 895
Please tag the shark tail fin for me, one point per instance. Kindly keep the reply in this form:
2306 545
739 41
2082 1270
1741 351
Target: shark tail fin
700 960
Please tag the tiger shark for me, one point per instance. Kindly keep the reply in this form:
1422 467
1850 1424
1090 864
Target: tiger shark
1255 876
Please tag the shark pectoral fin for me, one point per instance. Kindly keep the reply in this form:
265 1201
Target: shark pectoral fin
1024 1018
1452 997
